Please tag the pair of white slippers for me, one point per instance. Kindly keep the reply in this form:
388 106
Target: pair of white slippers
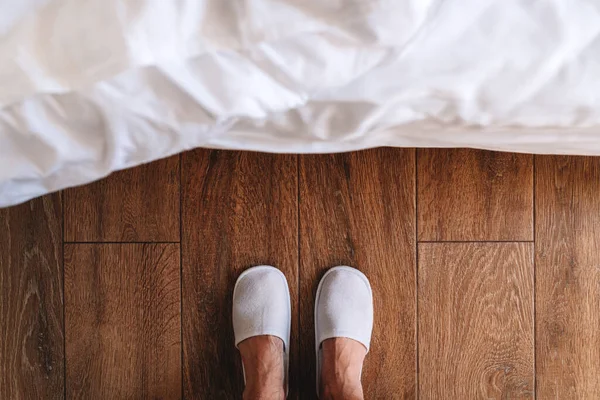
343 308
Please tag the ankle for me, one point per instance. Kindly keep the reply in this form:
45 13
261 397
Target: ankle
341 384
342 391
341 369
262 357
266 391
266 385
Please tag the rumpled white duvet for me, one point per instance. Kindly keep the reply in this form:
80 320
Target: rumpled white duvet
88 87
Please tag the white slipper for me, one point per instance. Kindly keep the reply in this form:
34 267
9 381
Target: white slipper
261 306
343 308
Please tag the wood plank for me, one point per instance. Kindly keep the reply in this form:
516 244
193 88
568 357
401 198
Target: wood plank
358 209
474 195
240 210
135 205
568 277
476 321
122 321
31 308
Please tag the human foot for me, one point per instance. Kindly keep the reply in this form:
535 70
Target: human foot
261 324
341 369
263 357
343 327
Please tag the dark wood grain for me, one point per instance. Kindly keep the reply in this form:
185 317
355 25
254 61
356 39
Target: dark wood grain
239 210
135 205
31 311
568 277
476 338
358 209
122 321
474 195
475 300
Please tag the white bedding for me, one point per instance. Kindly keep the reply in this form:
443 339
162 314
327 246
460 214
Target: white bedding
88 87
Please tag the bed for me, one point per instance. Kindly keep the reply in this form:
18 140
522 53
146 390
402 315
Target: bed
91 87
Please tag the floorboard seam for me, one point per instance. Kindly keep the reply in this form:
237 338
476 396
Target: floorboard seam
475 241
298 266
417 273
62 201
534 284
139 242
181 269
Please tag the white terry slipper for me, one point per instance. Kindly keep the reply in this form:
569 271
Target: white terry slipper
261 306
343 308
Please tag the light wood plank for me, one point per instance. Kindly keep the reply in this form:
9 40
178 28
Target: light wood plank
568 277
474 195
240 210
358 209
31 308
140 204
476 321
122 321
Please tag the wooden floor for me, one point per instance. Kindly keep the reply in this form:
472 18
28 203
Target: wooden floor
485 269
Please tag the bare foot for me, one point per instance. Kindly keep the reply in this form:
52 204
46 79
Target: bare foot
263 362
341 369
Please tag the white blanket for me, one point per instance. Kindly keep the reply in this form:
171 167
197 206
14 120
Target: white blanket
88 87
